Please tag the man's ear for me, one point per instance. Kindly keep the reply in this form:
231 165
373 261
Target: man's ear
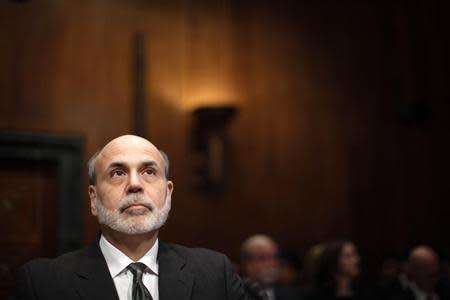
170 187
169 191
93 196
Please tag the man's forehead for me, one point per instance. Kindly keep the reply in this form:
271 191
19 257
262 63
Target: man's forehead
263 247
129 149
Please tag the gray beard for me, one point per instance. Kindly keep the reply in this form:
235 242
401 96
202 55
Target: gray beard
150 219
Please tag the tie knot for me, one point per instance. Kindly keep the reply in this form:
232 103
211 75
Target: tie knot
137 269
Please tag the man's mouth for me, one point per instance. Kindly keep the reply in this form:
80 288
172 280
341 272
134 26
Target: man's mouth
136 207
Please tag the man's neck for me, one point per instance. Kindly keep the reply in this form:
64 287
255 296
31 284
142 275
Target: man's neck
135 246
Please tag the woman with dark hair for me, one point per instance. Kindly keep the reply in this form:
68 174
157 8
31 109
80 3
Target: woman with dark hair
338 268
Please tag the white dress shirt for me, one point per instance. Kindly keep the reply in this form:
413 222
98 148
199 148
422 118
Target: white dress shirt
117 263
270 293
419 294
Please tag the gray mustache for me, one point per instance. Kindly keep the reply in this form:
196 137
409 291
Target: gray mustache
135 199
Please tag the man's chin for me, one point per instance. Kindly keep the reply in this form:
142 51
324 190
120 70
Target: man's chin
134 230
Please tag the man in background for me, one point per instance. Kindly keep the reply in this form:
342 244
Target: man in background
423 272
260 265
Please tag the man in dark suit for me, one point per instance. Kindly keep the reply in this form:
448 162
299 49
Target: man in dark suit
130 195
261 266
423 277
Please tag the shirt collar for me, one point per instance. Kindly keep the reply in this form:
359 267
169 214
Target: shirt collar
117 261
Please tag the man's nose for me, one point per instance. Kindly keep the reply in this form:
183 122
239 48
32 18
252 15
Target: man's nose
134 183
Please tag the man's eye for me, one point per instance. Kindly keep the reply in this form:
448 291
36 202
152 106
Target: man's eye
118 173
149 171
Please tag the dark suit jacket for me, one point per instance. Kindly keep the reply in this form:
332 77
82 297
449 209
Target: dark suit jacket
286 293
256 291
184 273
407 294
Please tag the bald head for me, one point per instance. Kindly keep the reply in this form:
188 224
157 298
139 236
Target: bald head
259 255
422 255
255 242
423 267
119 144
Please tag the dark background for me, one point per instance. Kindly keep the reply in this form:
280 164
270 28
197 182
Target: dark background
342 129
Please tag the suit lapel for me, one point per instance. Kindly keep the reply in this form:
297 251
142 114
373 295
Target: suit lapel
93 278
175 281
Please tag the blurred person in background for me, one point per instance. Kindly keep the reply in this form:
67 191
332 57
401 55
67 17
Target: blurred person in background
423 270
338 268
260 266
393 277
390 269
289 269
311 262
444 279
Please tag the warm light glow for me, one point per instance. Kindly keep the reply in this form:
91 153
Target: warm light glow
210 97
192 98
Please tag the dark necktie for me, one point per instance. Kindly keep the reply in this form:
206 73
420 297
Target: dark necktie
140 292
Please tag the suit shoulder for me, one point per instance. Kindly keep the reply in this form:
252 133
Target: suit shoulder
201 258
65 261
44 278
196 253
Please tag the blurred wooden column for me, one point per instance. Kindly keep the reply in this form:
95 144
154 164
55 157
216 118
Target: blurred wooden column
140 105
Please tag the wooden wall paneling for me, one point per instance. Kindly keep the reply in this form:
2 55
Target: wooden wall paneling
318 150
41 208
